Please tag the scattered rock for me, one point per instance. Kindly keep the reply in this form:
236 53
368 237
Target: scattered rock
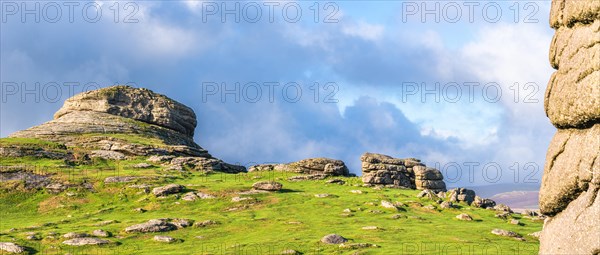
75 235
290 252
86 241
193 196
139 210
514 222
502 232
503 208
182 223
356 245
446 205
109 155
12 247
240 199
531 213
387 204
205 223
333 239
429 194
464 216
370 228
322 195
483 202
167 190
155 225
502 215
308 177
122 179
164 239
355 191
398 216
160 159
33 237
429 207
56 187
100 233
336 181
142 165
267 185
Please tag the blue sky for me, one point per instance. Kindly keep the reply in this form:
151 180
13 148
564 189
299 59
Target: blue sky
367 61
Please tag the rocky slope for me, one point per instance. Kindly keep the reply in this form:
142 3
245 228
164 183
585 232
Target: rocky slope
571 182
118 122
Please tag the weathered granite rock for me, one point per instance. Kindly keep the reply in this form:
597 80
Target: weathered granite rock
333 239
134 103
576 224
503 232
573 92
464 216
164 239
567 12
461 195
572 163
167 190
12 247
570 192
267 185
319 166
379 169
104 119
156 225
483 202
86 241
204 164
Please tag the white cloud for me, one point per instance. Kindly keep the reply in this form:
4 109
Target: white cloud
364 30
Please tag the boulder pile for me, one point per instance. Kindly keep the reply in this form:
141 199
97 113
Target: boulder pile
379 169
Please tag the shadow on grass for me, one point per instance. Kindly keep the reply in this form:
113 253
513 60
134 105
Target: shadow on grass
289 191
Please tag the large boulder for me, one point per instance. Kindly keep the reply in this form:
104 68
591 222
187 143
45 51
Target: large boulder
319 166
461 195
81 241
12 248
267 185
380 169
167 190
571 183
134 103
572 164
156 225
428 178
110 119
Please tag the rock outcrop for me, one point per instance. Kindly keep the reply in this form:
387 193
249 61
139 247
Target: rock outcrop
120 121
379 169
571 181
108 119
312 166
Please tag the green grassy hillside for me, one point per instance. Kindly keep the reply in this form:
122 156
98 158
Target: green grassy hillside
266 223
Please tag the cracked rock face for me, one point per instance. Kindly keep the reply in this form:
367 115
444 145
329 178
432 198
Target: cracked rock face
571 181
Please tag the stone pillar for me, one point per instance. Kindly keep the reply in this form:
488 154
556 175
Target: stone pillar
571 181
